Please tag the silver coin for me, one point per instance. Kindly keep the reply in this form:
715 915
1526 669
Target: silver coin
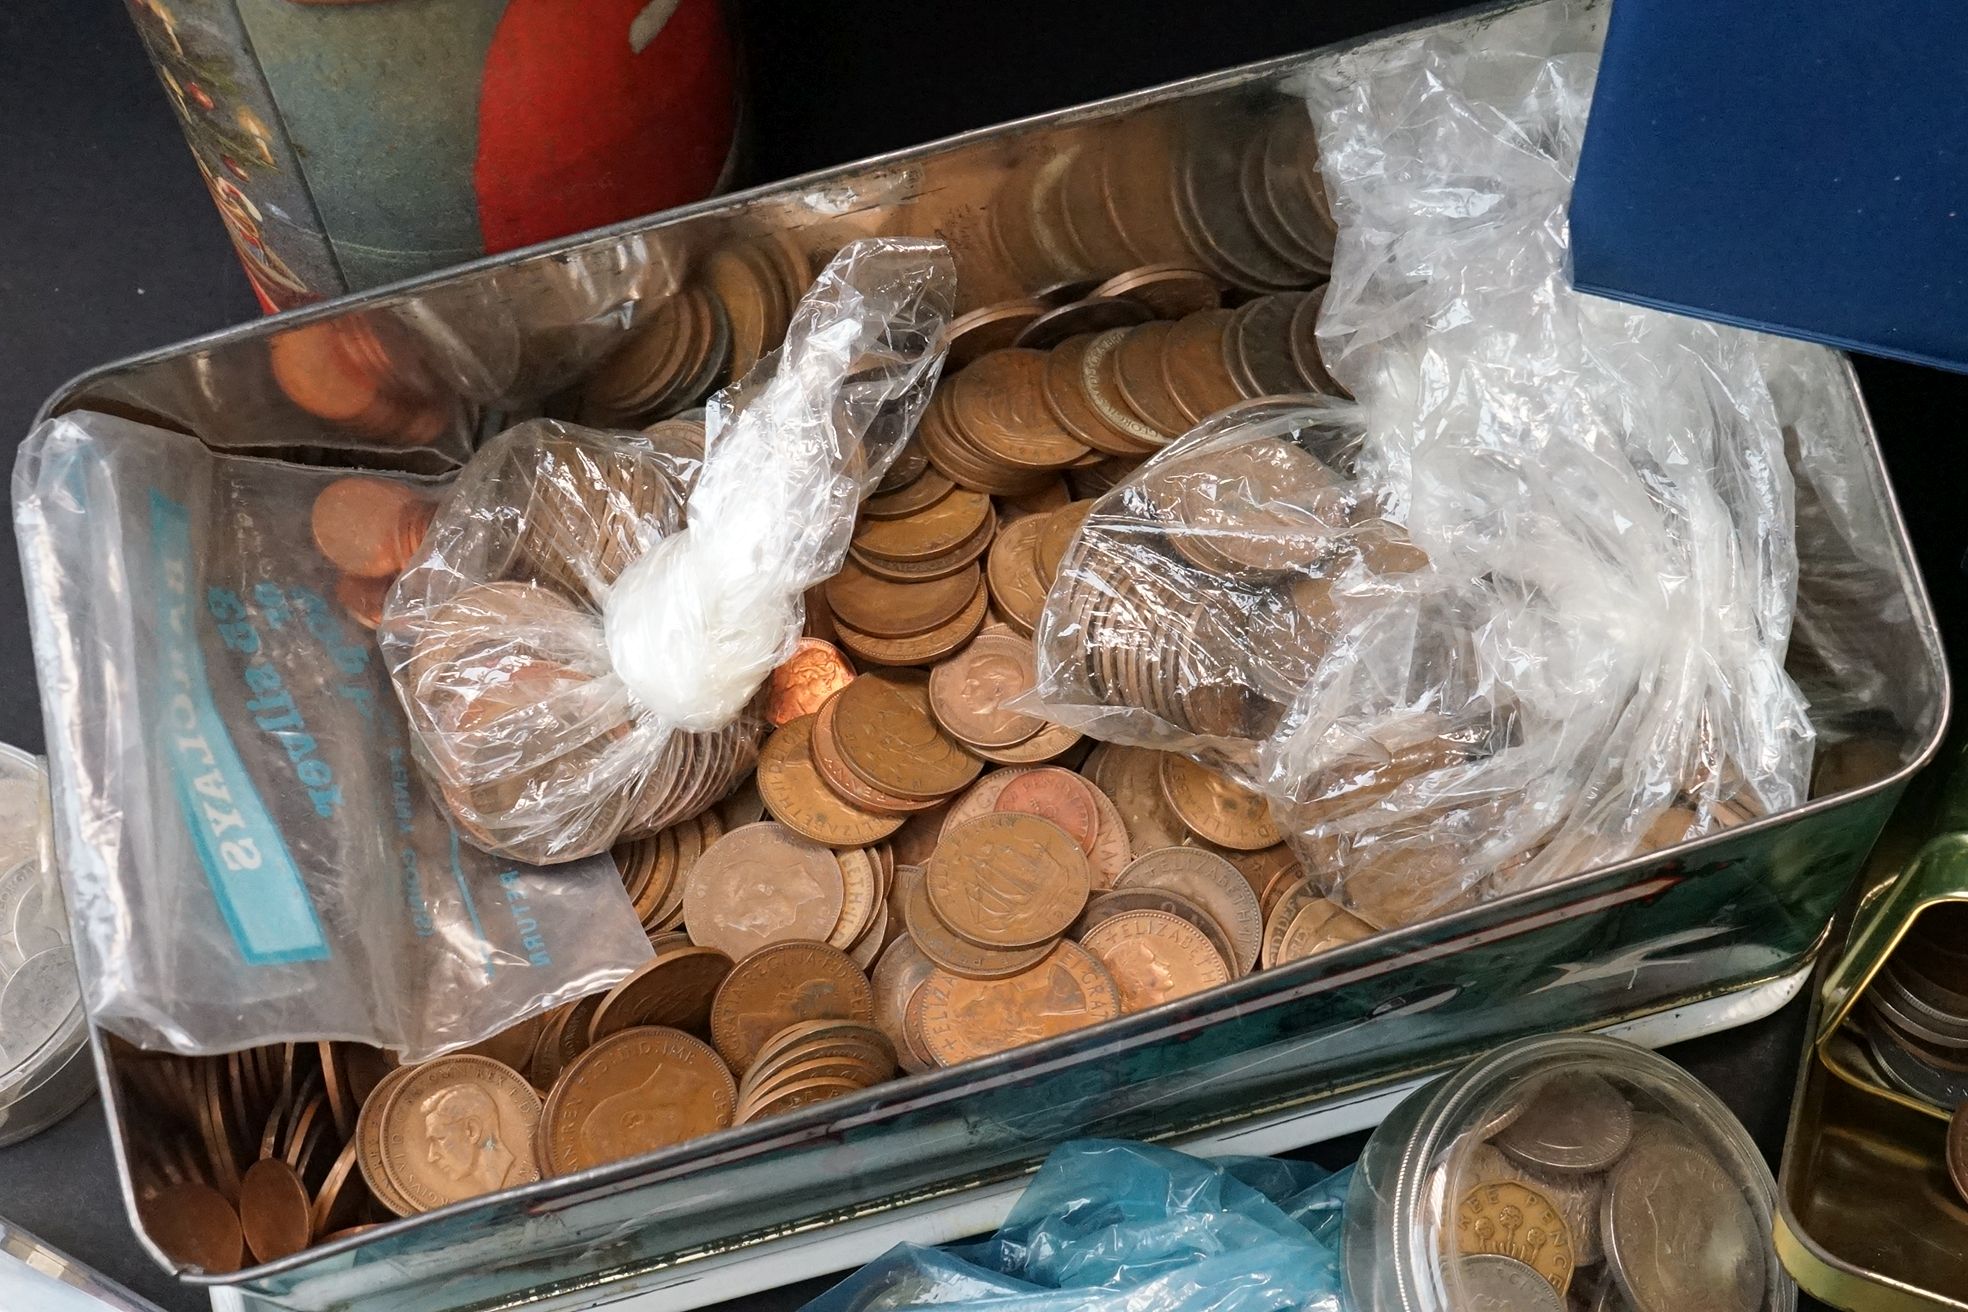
1574 1122
34 1002
15 885
1491 1282
1679 1235
20 820
39 923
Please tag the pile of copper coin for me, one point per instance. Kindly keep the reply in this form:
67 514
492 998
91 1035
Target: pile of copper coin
360 373
1241 197
709 333
498 648
1573 1195
369 528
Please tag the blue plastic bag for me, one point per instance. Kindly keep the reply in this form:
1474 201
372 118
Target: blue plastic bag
1116 1225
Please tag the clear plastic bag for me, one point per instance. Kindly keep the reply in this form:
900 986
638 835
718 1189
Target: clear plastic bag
1110 1225
581 638
1521 610
249 854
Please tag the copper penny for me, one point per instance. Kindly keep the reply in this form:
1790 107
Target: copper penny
369 527
1211 883
999 403
967 692
1131 776
925 648
1168 290
340 1199
814 672
459 1127
1007 880
1313 932
634 1092
991 328
673 991
887 609
363 598
1087 315
274 1210
1193 368
1155 957
1058 795
1216 807
959 1019
899 972
1013 573
781 985
1121 901
1067 399
981 798
851 787
760 885
1143 384
888 737
369 1142
863 894
1049 744
950 950
929 532
1100 382
1055 535
800 800
195 1226
924 491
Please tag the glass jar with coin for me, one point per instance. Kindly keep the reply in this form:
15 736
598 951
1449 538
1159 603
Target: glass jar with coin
1563 1172
44 1061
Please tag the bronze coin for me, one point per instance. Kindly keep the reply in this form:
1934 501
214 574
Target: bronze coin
805 680
1055 536
851 787
1193 366
369 1142
1007 880
562 1041
673 991
1217 807
1102 907
1211 883
1100 382
363 524
929 567
363 598
1093 315
458 1127
1066 397
1210 206
632 1093
1137 168
863 894
898 973
1168 290
1257 345
932 531
1131 776
1155 957
924 648
195 1226
1049 744
967 692
761 885
1302 337
1295 188
888 737
999 404
884 609
959 1018
991 328
1302 901
922 492
957 454
340 1199
951 950
1142 382
909 463
275 1214
745 289
1012 571
1059 796
781 985
799 799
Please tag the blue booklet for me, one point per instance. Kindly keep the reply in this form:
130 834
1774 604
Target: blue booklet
1799 167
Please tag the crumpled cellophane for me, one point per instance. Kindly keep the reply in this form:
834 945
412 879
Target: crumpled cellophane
580 639
1520 609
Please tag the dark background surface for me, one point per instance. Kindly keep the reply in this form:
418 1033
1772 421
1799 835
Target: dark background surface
109 245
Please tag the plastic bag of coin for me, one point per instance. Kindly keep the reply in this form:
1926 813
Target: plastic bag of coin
580 640
250 855
1526 607
1107 1225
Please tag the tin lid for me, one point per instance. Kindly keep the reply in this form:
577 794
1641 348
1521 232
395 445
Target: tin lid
35 1275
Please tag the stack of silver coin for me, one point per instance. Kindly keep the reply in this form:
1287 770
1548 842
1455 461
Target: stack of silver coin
38 988
1914 1015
